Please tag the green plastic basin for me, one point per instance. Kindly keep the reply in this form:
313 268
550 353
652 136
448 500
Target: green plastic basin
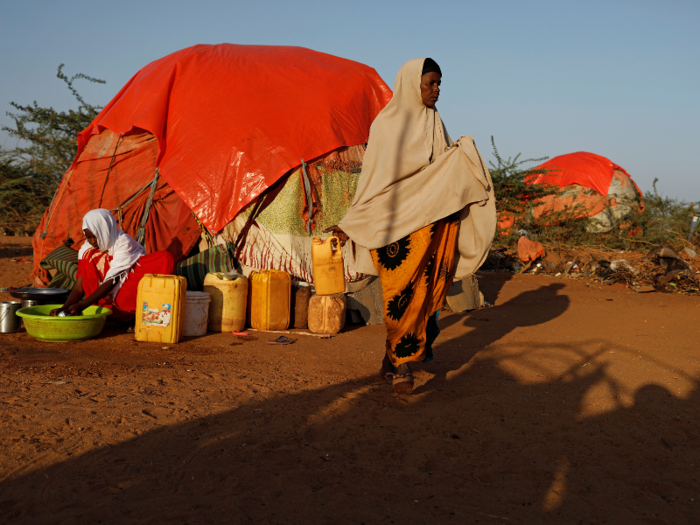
42 326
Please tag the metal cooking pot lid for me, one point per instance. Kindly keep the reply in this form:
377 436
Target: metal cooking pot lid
38 293
43 291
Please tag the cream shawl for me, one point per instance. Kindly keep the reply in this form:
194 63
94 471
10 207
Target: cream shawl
413 175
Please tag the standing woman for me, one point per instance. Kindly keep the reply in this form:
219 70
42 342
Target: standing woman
110 265
424 208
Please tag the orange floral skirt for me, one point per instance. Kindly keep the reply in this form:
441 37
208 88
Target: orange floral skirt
416 273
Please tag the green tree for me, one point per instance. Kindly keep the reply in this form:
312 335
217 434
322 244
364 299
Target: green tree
513 194
47 143
665 220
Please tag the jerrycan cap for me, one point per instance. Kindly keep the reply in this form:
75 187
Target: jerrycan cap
226 276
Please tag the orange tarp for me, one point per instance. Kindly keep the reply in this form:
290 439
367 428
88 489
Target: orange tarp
582 168
222 123
231 119
170 225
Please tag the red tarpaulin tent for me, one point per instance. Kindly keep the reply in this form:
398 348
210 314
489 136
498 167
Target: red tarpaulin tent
221 123
581 168
601 189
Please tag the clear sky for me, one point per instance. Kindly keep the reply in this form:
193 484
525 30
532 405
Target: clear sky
616 78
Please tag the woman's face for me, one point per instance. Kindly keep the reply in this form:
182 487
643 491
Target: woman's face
90 237
430 88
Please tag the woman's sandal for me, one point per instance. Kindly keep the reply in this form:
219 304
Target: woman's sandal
403 380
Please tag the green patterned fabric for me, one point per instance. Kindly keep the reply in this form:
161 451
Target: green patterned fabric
196 268
64 261
285 214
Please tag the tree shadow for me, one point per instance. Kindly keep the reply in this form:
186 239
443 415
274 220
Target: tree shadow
530 308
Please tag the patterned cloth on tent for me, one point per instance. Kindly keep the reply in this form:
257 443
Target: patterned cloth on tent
278 235
196 268
64 261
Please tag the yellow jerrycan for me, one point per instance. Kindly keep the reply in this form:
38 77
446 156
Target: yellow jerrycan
269 299
229 297
327 313
160 306
327 260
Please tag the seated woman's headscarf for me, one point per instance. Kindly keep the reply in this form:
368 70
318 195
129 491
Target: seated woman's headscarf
119 245
413 175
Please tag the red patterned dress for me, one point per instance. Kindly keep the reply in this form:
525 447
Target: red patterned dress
94 266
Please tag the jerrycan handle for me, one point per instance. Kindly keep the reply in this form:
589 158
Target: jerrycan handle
331 245
334 243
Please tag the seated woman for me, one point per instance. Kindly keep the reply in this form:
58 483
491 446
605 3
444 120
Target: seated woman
110 265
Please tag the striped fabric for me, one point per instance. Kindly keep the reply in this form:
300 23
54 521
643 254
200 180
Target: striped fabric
195 269
64 261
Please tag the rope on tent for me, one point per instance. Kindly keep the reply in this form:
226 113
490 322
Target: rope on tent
243 235
309 197
203 229
119 208
141 233
111 163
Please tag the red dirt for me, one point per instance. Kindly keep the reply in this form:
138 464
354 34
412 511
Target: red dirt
563 403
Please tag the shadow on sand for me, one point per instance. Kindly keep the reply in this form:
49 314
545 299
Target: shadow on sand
475 445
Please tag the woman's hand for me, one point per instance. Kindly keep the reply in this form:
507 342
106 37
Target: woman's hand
75 309
74 298
335 230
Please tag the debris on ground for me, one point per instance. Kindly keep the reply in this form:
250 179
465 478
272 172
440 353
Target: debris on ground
529 250
281 340
661 269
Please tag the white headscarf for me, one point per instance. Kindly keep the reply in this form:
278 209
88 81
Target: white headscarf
125 251
413 175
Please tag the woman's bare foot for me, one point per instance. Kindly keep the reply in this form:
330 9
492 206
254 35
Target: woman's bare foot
403 380
387 371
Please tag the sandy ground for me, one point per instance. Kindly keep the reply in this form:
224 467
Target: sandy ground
562 403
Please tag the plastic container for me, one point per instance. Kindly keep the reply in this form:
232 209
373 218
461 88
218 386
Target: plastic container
327 260
229 298
61 329
269 300
300 306
9 322
160 305
327 313
196 314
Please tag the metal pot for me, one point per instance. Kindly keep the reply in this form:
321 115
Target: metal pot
26 303
9 322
